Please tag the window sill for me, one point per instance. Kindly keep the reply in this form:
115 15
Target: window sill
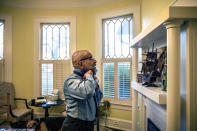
121 106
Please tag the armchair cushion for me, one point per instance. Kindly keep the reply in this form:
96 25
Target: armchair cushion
20 113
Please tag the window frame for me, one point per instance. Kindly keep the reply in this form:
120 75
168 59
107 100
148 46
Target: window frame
37 45
135 10
7 53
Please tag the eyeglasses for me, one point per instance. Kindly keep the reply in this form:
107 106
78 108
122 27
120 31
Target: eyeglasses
88 58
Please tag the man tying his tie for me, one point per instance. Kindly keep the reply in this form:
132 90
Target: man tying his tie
82 93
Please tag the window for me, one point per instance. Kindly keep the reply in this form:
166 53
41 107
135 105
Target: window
5 48
54 46
111 56
1 50
1 38
116 60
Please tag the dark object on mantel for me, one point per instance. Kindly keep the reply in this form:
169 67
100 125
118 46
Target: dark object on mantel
152 68
139 77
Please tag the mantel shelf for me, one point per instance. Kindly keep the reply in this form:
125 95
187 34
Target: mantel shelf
156 32
154 93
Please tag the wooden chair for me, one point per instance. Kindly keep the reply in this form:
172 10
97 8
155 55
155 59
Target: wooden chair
10 112
4 107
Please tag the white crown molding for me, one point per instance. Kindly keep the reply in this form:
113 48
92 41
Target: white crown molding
55 4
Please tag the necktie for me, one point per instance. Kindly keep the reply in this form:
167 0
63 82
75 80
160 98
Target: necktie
97 115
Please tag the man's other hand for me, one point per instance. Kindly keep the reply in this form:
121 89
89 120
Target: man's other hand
87 73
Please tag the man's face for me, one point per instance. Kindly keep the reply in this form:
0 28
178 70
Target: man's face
88 63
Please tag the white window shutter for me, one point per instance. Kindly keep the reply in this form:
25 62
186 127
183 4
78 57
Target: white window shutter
124 80
61 71
108 80
46 78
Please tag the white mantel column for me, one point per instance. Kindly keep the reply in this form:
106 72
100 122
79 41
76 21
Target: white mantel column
134 92
173 75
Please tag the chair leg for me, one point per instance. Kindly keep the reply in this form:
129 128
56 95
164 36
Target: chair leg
11 124
32 115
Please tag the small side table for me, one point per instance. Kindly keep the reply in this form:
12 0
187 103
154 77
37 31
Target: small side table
47 105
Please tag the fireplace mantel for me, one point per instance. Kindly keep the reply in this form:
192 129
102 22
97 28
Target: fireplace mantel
175 28
154 93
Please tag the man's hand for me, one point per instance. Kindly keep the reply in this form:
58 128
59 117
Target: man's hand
87 73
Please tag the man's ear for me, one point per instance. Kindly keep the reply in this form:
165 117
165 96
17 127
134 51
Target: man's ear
80 64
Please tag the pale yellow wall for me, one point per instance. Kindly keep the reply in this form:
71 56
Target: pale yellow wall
121 114
23 42
151 9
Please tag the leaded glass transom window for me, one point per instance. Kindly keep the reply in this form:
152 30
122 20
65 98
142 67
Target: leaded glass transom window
55 41
117 35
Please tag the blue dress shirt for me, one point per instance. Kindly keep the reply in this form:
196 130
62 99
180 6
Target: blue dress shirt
79 95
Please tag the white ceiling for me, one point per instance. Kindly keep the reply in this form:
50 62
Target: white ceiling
55 4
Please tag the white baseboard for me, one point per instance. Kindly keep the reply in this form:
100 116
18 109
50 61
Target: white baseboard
117 123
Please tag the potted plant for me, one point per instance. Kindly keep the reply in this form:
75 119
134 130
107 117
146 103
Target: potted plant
104 110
